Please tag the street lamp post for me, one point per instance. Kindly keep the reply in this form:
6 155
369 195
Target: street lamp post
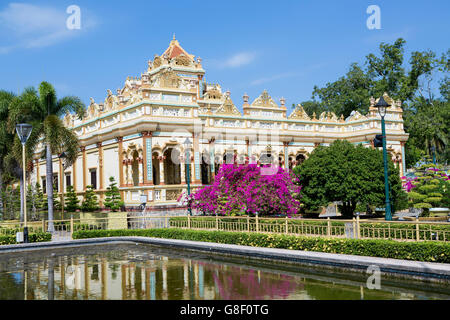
382 105
187 144
23 131
62 156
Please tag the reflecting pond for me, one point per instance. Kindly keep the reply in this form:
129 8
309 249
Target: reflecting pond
138 272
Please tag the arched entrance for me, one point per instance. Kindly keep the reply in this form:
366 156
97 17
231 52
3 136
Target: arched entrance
135 168
300 158
172 169
155 167
205 169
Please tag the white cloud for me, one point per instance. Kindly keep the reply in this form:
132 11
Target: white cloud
32 26
239 59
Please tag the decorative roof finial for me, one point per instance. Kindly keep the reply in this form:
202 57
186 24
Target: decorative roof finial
245 97
282 101
174 36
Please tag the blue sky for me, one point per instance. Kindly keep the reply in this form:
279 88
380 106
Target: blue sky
286 47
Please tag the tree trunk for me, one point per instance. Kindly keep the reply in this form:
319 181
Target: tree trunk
49 182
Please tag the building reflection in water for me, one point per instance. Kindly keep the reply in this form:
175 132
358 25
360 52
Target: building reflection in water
153 277
158 278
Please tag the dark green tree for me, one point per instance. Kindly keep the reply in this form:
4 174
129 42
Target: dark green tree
90 201
348 174
71 200
113 199
6 136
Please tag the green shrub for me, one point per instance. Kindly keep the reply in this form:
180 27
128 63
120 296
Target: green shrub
33 237
420 251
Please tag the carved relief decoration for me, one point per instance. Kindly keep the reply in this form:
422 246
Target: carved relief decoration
169 79
299 113
228 108
328 116
264 100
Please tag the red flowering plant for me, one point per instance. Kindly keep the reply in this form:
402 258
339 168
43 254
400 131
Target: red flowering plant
248 189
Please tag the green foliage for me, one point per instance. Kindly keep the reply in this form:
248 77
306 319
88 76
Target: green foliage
420 251
56 202
71 201
11 203
90 201
32 237
347 173
429 189
113 199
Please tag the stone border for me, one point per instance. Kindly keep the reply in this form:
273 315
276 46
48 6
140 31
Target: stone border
439 272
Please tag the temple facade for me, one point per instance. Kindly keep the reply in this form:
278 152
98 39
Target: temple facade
141 134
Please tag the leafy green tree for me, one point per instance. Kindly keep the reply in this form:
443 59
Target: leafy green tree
71 201
90 201
383 73
113 199
348 174
44 110
348 93
5 136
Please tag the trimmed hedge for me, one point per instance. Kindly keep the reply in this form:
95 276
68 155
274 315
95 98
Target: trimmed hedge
408 231
33 237
419 251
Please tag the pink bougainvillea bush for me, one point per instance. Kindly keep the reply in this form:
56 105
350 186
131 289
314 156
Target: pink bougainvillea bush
248 189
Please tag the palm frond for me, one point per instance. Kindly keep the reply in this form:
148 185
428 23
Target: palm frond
71 104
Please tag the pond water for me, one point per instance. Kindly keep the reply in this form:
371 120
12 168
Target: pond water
145 272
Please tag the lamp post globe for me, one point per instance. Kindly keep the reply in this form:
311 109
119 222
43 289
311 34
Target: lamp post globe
24 131
382 106
187 144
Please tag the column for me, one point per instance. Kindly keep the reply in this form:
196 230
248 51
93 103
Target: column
74 175
120 143
100 169
38 176
212 155
121 175
61 185
161 170
141 170
196 174
286 155
147 155
83 150
403 167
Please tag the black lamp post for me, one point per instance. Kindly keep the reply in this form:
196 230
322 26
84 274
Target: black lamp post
187 144
382 105
23 131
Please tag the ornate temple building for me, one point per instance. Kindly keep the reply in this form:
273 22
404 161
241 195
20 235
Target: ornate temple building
141 134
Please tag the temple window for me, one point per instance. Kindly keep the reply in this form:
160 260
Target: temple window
93 174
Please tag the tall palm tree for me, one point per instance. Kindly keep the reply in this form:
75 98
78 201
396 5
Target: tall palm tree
43 110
